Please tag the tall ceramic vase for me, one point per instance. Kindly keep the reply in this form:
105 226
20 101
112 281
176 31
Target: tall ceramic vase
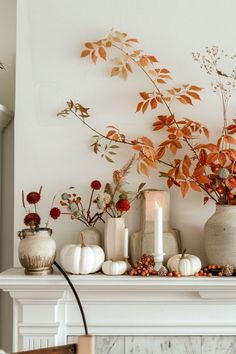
114 238
220 236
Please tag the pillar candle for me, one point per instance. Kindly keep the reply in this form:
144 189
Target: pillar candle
126 243
158 230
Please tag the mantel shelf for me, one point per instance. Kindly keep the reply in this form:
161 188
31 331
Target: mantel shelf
45 307
15 279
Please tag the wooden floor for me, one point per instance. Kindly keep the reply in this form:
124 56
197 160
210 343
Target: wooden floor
164 345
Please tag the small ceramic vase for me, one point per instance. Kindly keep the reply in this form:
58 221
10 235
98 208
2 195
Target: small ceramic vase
37 251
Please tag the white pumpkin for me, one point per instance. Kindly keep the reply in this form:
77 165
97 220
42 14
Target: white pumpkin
82 259
114 268
185 264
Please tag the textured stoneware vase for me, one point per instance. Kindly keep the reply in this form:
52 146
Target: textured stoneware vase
114 239
220 236
37 251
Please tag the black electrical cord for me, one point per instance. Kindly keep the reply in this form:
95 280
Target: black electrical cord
75 294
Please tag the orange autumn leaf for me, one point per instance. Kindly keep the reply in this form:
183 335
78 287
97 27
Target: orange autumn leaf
102 53
139 106
195 186
145 140
230 139
85 53
145 106
115 71
222 159
143 61
144 95
203 156
128 67
194 95
89 45
212 157
184 187
160 153
202 179
94 57
124 73
149 162
153 103
206 132
186 165
195 88
152 59
185 99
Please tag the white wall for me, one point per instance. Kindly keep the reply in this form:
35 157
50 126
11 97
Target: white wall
7 98
55 153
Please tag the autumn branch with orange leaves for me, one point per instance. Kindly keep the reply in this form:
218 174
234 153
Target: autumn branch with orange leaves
208 167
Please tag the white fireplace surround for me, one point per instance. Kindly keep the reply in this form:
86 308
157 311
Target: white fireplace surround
45 311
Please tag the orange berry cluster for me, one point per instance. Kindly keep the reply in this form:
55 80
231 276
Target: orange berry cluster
144 267
218 270
174 274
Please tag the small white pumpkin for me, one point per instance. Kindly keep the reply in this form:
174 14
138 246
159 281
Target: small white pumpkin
185 264
82 259
114 268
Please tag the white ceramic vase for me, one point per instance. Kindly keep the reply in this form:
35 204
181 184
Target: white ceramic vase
220 236
37 251
114 239
92 236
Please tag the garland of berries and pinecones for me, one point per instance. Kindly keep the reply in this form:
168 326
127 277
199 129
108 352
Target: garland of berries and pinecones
146 267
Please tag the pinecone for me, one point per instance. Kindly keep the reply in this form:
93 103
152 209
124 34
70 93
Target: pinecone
227 270
162 272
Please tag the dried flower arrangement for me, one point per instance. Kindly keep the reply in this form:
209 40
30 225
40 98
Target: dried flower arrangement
208 167
114 200
33 219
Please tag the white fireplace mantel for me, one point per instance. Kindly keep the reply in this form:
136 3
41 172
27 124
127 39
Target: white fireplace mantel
45 312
